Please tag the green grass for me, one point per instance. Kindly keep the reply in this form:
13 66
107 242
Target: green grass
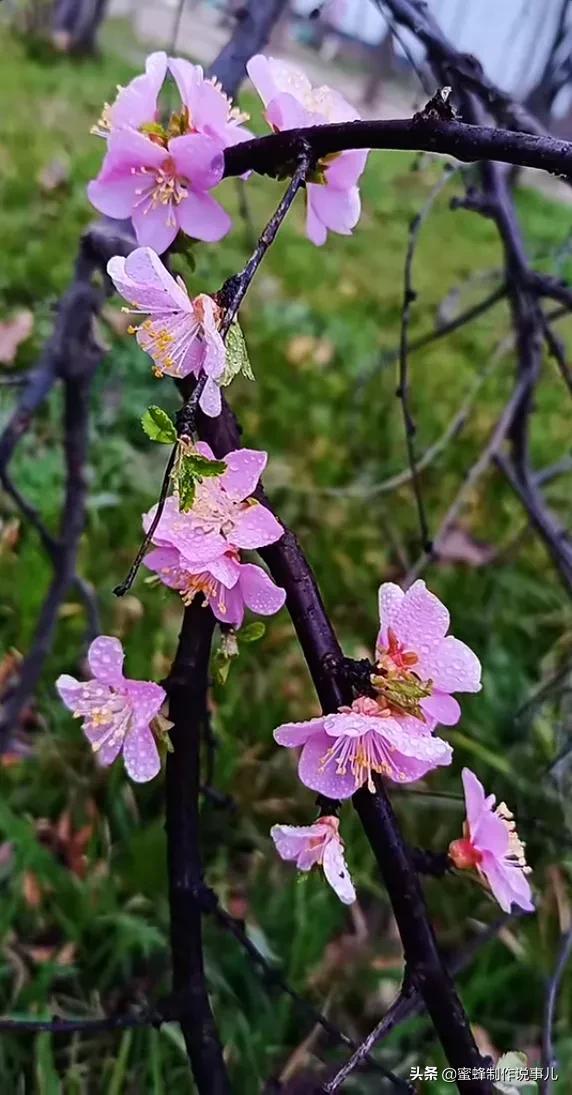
316 322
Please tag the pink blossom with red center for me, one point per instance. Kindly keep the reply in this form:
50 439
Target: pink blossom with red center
199 551
492 846
180 335
413 648
160 175
318 844
341 752
117 712
164 189
332 197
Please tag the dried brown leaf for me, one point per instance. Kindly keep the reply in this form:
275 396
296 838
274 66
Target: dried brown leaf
55 175
13 332
458 546
31 890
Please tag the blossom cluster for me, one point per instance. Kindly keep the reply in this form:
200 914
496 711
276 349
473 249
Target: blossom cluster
200 551
159 169
391 734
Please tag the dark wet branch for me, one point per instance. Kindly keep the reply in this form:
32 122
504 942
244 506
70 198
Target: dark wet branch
409 1002
186 690
275 154
255 21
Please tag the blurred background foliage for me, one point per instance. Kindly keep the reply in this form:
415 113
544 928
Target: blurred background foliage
83 915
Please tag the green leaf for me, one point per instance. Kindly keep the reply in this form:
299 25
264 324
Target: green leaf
203 468
237 359
47 1077
186 486
159 426
252 632
222 667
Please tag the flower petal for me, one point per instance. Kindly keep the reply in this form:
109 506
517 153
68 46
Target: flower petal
336 871
155 225
389 599
115 196
146 698
225 569
145 282
210 400
260 593
293 734
141 755
441 708
199 159
291 841
451 665
202 218
474 797
105 744
105 657
286 112
421 621
344 172
244 468
81 697
136 104
228 605
338 210
69 690
324 778
508 883
315 230
128 148
255 527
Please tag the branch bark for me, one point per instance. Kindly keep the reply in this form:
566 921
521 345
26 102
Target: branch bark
324 657
468 143
185 686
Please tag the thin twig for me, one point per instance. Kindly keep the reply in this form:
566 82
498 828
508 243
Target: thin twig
59 1026
235 288
401 478
483 462
552 990
409 1003
409 295
237 929
389 357
124 586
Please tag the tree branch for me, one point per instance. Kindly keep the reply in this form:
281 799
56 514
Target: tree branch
185 687
273 155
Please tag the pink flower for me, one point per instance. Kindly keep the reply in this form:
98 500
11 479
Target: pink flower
199 551
117 712
417 658
341 751
224 517
162 187
491 844
332 196
210 111
228 586
318 843
180 334
160 174
135 104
